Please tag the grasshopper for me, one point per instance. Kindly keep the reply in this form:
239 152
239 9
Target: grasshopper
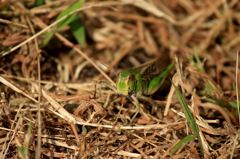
142 81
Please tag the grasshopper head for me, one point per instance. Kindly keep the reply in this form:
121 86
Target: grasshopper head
126 83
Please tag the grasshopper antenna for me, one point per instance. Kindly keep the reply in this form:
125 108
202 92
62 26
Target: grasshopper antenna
108 68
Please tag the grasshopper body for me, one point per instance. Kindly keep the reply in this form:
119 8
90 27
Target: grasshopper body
141 81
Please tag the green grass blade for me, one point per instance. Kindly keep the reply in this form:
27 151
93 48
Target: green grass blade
189 116
182 142
48 37
194 63
84 128
39 3
66 21
68 10
23 150
210 88
78 30
197 58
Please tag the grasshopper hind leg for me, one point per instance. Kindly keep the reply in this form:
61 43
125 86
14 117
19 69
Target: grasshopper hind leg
153 105
151 101
137 107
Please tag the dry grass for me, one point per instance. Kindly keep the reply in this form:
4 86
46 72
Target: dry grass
53 87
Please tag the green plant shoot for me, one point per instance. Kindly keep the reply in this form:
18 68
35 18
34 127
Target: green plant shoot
139 82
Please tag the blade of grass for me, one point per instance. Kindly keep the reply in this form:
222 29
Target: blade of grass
67 11
211 88
66 21
78 30
39 3
188 114
190 119
198 60
194 63
182 142
23 150
48 37
237 86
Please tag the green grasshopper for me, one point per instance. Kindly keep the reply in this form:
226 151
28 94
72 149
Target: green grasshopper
139 82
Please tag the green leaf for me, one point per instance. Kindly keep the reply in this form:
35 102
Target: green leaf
84 128
78 30
198 59
48 37
67 21
68 10
23 150
182 142
233 104
194 63
39 3
189 116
